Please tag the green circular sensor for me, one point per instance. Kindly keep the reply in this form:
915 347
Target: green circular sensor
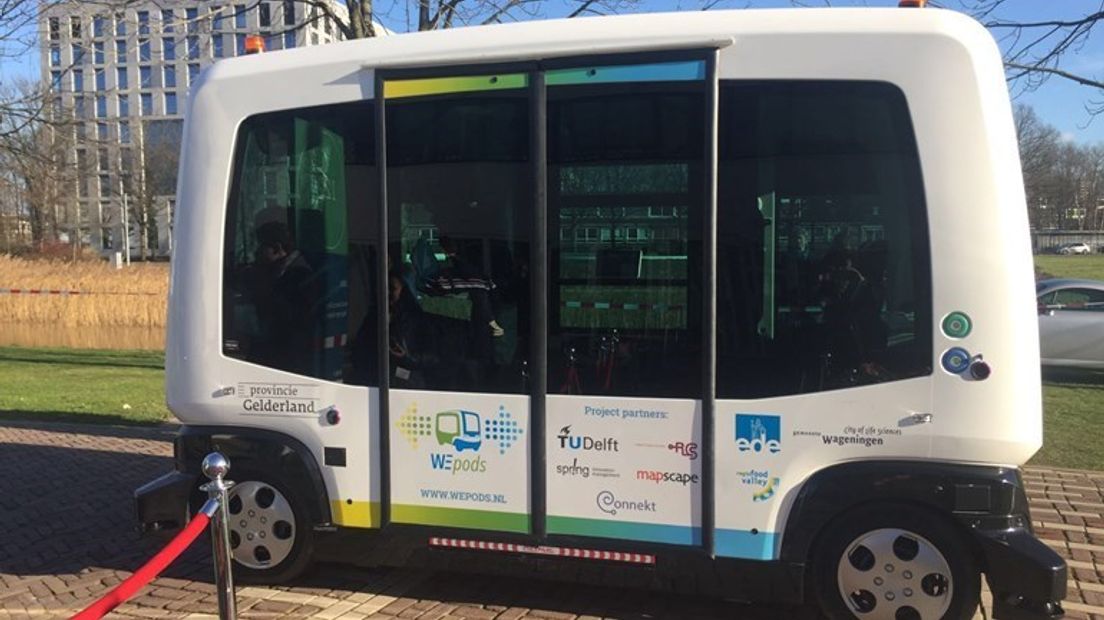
957 325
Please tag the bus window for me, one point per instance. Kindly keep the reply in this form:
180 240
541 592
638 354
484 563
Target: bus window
823 278
459 208
624 207
299 268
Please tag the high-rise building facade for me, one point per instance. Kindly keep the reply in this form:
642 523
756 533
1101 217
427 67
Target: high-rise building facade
122 76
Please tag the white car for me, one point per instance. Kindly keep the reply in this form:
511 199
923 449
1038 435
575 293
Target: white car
1071 323
1075 248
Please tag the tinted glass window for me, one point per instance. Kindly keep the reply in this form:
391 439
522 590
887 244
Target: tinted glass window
624 204
300 272
822 253
460 212
1078 299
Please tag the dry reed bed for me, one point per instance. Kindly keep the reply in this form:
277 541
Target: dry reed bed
134 296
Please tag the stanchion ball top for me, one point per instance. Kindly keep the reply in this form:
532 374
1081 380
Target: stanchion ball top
215 466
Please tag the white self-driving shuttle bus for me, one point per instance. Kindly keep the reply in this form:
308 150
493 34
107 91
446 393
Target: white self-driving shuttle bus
733 301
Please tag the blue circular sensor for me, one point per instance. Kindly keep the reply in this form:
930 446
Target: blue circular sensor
956 360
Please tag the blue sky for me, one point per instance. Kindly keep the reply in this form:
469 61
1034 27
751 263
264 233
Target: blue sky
1058 102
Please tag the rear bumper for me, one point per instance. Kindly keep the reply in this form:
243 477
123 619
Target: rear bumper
162 503
1027 578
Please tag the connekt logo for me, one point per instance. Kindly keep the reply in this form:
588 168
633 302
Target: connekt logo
585 442
758 433
609 504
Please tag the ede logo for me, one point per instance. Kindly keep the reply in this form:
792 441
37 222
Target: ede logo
758 433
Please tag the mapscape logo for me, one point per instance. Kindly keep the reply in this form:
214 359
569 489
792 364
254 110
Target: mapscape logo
761 434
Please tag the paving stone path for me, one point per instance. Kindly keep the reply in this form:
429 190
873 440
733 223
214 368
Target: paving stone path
67 536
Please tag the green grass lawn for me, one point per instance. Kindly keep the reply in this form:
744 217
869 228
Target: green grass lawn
1088 266
83 385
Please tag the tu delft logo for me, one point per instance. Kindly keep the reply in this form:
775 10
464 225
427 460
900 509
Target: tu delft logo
760 434
462 430
586 442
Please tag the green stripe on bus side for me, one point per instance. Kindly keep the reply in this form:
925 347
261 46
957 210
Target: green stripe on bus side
395 89
460 517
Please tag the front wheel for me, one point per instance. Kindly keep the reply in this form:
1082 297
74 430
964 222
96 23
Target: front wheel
895 563
271 540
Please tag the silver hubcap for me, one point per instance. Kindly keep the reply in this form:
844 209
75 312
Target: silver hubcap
892 574
262 525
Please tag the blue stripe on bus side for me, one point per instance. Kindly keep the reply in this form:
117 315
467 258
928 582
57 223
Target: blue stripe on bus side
746 544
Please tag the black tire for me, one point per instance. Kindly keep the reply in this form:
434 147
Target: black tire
918 526
297 529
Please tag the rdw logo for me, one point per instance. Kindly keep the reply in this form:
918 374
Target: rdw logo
758 433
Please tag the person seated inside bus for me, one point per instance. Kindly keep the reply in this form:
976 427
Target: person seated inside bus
852 293
427 351
283 286
456 275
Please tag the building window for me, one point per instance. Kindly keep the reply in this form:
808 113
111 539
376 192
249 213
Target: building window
55 56
289 12
75 26
314 38
168 49
170 76
144 51
328 25
264 15
78 106
105 161
120 51
78 80
82 132
101 106
98 26
216 45
240 43
270 41
55 29
78 54
101 131
120 25
239 16
101 80
193 48
170 103
105 186
193 74
121 78
166 20
289 40
216 17
98 53
147 104
192 15
145 77
143 22
124 108
55 80
124 132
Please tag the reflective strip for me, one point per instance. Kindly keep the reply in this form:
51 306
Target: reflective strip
563 552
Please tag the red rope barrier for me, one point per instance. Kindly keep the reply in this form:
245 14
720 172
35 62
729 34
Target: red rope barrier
151 569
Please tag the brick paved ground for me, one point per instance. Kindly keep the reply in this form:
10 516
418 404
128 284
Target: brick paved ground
66 537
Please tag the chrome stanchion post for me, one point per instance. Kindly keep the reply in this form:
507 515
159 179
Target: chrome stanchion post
215 467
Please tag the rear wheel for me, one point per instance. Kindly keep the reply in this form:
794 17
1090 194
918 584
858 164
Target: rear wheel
271 539
895 563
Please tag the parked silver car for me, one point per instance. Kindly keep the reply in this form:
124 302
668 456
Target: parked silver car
1075 248
1071 322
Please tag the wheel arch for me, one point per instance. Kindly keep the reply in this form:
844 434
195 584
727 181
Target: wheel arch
968 496
259 450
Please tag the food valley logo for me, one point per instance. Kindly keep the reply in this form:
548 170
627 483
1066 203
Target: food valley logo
462 431
860 436
760 434
294 398
585 471
586 442
763 483
609 504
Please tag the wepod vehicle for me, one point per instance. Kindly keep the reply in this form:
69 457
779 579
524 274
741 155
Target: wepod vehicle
737 301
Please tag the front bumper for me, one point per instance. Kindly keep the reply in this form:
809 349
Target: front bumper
162 503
